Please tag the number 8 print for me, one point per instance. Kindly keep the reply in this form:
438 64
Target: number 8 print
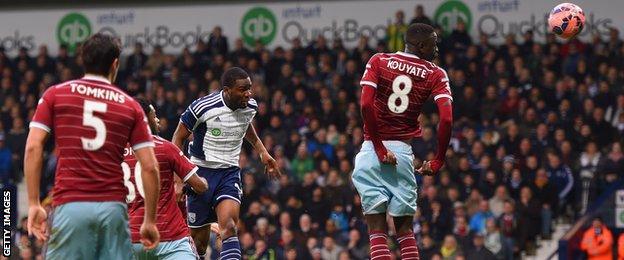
398 93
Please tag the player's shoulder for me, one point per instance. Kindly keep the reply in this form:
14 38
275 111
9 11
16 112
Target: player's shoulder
206 103
54 89
253 104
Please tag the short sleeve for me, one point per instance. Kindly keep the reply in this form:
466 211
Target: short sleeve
371 73
141 136
189 119
441 85
179 163
44 114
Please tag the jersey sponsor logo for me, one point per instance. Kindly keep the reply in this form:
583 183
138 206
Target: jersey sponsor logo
219 132
215 131
72 29
259 23
450 13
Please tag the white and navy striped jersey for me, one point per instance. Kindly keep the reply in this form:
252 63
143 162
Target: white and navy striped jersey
218 131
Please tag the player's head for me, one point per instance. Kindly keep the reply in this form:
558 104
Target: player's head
100 55
150 112
421 40
236 87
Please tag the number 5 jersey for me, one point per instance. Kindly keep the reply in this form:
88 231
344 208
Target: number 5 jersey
92 121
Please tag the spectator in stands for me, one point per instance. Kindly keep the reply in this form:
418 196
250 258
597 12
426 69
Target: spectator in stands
427 247
330 250
561 176
477 222
478 249
395 32
420 16
449 249
597 241
136 61
528 211
498 200
217 43
494 239
508 223
547 197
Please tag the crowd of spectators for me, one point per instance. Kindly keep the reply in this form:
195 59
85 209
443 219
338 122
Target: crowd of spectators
537 134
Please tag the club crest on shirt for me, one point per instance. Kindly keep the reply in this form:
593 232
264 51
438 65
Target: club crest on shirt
191 217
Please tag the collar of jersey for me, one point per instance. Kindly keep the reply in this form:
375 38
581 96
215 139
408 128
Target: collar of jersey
96 78
407 54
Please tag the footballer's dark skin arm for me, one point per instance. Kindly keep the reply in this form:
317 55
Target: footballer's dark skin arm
180 136
272 169
198 184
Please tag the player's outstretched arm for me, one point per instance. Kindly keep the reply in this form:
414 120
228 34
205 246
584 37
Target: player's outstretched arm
445 109
33 162
151 184
272 169
180 135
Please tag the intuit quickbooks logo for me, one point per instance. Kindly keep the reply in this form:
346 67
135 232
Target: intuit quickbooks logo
72 29
450 13
215 131
258 23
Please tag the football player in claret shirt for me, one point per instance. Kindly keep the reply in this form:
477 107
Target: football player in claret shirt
219 122
394 88
174 234
91 121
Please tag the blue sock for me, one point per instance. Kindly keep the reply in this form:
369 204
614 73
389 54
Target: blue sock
231 249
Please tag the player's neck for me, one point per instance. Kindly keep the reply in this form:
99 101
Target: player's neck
97 77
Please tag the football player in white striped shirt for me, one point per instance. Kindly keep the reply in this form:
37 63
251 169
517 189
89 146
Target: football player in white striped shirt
219 122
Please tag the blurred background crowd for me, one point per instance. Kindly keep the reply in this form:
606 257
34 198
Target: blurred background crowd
538 131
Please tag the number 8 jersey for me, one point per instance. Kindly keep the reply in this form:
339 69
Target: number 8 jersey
403 83
92 121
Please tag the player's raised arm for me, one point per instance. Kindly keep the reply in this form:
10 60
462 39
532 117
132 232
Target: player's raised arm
272 169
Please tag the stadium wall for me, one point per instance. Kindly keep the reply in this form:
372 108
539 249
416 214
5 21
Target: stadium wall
277 23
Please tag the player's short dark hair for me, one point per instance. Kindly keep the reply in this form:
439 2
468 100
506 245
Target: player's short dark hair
145 105
230 76
98 53
418 32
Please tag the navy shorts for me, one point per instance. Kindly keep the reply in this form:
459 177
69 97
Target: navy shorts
222 184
